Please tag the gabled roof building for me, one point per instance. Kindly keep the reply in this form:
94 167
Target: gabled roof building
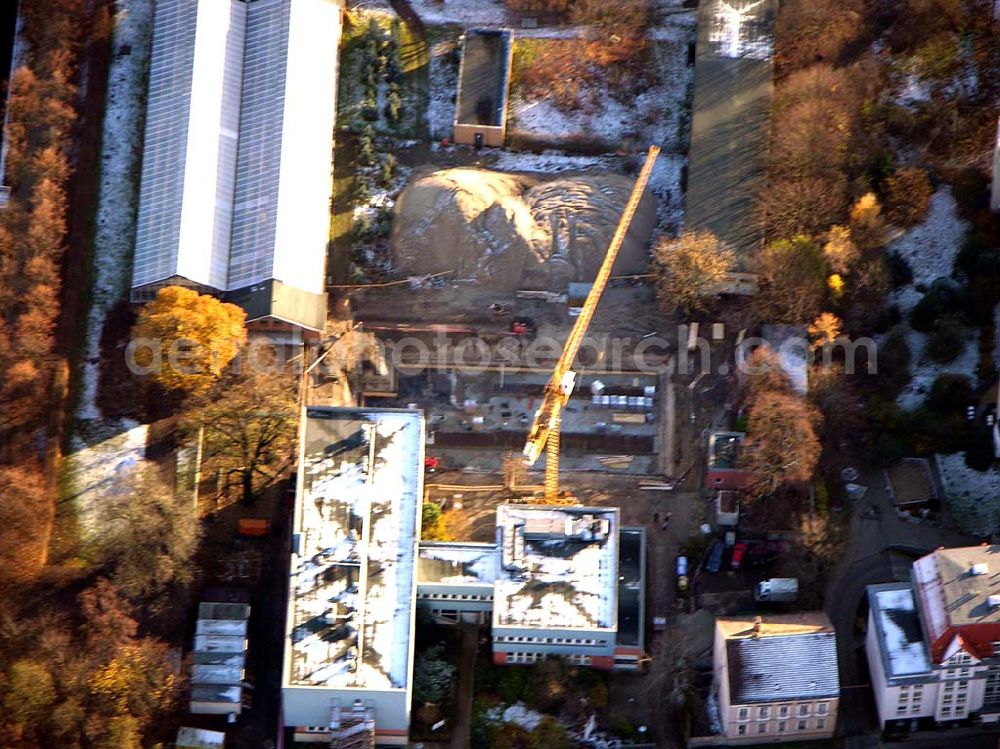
776 678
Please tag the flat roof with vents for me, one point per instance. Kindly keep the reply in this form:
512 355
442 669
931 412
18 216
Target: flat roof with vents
353 581
953 589
558 567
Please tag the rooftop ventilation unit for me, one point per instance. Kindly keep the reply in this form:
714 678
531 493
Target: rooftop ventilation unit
979 569
993 601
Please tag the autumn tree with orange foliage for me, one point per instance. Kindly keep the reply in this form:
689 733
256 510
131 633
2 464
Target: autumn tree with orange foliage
92 682
186 339
782 447
25 512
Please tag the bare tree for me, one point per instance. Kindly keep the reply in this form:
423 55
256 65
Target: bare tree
691 270
147 537
249 429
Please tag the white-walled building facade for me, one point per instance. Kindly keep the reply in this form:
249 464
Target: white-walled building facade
933 645
775 678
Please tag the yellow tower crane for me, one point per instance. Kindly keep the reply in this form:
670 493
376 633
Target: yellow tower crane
544 433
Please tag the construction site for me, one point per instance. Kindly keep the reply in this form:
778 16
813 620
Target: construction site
520 283
502 266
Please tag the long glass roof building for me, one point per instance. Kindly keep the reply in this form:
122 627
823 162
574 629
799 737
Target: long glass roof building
236 175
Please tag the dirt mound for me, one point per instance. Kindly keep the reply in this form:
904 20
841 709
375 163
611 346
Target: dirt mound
513 231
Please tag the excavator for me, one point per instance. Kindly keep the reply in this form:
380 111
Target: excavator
544 432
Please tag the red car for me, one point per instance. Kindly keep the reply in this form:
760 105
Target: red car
739 551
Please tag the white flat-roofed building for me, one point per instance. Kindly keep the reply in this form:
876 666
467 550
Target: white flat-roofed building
282 211
556 591
455 580
219 658
189 162
349 645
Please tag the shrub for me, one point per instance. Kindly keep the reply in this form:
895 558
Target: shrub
945 342
433 676
516 684
979 453
388 168
900 273
840 251
976 259
366 146
393 104
867 223
950 393
430 521
894 362
944 297
971 190
907 194
888 318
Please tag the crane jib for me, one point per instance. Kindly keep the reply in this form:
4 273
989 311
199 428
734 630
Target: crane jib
544 432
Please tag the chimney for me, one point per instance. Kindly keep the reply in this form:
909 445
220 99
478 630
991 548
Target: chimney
758 626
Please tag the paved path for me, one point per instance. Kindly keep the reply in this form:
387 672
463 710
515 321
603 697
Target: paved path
463 697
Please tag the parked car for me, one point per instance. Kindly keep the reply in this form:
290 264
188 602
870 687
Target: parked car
739 551
765 552
682 573
714 563
778 589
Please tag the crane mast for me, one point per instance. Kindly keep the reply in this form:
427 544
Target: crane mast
544 432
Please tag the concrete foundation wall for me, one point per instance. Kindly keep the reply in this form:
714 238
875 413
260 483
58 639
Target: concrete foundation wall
492 136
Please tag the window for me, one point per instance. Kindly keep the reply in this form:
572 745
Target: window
946 698
762 728
802 725
763 712
741 729
744 713
904 697
945 711
803 710
820 723
822 708
963 685
783 711
901 709
782 725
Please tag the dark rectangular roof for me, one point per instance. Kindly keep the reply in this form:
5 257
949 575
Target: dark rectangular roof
730 127
272 298
482 88
631 586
